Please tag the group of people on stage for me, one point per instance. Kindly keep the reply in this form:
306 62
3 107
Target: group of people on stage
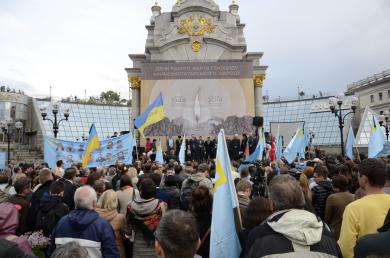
200 150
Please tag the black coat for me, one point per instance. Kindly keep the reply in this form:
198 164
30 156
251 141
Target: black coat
235 148
204 223
69 191
321 193
54 207
23 213
35 201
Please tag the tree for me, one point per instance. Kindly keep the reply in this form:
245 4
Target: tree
110 96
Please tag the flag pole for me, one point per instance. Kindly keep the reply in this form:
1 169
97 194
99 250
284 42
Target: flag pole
358 155
135 144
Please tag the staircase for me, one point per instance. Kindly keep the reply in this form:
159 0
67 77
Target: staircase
28 156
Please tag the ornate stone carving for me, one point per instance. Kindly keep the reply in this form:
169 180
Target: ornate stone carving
259 79
196 26
135 82
196 46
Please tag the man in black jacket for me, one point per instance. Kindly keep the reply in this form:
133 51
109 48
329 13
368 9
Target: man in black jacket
45 179
290 230
321 191
70 188
51 208
23 189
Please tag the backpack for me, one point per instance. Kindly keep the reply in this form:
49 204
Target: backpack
186 194
4 197
46 221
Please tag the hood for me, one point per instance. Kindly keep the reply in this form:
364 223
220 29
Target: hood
107 214
197 177
143 207
299 226
49 202
9 219
326 184
81 219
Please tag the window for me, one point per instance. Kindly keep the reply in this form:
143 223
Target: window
380 96
372 98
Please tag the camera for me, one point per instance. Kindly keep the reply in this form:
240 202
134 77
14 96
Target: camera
259 179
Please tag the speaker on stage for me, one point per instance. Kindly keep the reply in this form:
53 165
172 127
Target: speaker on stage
258 121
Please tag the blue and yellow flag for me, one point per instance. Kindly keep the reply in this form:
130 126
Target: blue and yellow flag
92 144
224 241
377 140
159 153
153 114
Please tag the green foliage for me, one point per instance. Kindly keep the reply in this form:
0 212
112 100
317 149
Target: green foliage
110 96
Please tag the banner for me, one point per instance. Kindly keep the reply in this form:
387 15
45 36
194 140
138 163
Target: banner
111 150
200 98
2 160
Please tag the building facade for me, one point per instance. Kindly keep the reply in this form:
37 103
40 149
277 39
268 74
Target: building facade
196 55
373 91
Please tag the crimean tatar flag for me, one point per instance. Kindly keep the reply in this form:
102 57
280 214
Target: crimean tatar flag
377 140
296 146
153 114
224 241
92 144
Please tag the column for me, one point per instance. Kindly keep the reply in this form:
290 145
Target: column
135 82
258 84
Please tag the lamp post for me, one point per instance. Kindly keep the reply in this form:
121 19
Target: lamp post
6 127
335 105
55 107
385 122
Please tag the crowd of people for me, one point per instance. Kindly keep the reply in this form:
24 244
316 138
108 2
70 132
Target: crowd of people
316 207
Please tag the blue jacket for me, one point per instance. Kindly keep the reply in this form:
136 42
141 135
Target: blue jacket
90 231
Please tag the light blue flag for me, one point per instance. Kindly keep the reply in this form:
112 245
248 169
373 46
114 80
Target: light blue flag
295 146
279 147
133 141
2 160
159 153
377 140
349 145
182 153
224 241
256 155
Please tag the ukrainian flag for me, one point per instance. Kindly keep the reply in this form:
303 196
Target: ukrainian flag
224 241
153 114
92 144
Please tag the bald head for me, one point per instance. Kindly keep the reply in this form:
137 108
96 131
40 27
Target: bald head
85 198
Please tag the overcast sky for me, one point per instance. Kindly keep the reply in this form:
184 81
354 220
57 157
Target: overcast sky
77 45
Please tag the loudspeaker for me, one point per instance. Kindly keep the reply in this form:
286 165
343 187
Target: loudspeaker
258 121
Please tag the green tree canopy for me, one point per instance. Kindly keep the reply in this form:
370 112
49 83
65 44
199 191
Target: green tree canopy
110 96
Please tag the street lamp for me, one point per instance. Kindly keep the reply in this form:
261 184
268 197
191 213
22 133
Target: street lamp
333 103
55 107
385 122
6 127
